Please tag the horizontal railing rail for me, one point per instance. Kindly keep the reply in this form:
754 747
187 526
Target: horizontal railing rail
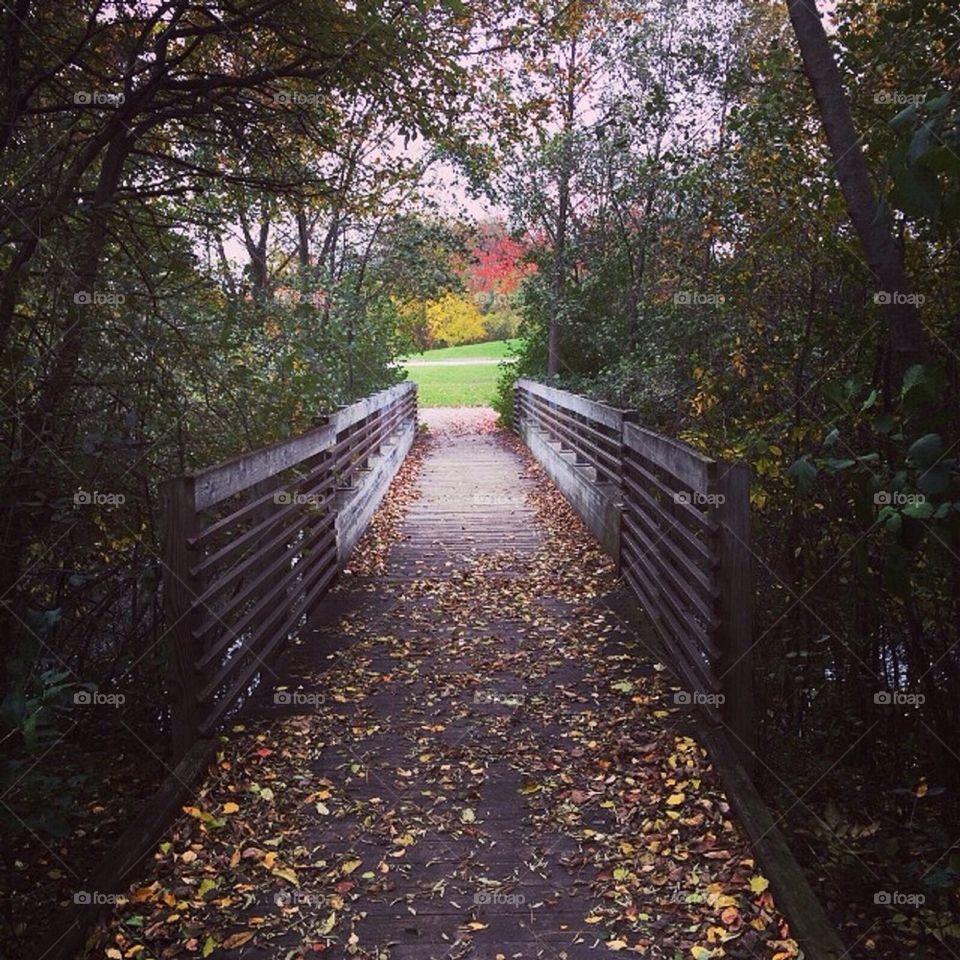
682 540
590 429
251 545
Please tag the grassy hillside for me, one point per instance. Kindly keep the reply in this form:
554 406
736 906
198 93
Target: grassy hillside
494 350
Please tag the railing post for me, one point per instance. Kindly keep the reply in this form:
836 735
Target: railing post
732 484
180 590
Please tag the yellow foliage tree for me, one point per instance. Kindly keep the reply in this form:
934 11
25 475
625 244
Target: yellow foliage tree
455 319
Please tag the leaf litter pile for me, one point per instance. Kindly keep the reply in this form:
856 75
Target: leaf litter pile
492 767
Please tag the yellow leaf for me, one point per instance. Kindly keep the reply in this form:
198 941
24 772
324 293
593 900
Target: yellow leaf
616 944
231 807
287 874
758 884
675 799
328 924
209 946
477 925
350 865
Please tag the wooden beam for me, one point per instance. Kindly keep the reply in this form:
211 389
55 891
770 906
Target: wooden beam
591 409
181 588
731 483
681 461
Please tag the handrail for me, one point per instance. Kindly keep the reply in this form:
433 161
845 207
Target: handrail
251 545
682 537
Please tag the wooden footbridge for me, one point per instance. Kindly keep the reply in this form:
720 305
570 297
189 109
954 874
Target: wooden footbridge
467 744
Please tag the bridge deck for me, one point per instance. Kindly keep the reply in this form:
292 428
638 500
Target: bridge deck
480 761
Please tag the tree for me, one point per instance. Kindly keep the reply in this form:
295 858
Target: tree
454 319
908 342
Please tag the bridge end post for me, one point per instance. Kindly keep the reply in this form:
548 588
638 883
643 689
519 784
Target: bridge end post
732 484
179 608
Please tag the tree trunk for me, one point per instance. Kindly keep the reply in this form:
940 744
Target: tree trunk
908 343
563 214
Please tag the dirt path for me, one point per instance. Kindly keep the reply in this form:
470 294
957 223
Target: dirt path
469 755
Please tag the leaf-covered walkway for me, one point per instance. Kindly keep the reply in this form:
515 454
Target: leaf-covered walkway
471 754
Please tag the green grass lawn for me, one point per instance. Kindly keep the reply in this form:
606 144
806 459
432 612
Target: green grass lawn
459 386
495 349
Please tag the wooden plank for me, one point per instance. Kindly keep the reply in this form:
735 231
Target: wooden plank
658 540
214 588
681 617
215 484
592 437
231 633
180 590
352 413
692 469
268 573
696 513
732 483
316 581
684 660
293 486
698 548
591 409
794 896
252 537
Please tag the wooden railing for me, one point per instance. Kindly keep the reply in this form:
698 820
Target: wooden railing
252 544
593 431
682 539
